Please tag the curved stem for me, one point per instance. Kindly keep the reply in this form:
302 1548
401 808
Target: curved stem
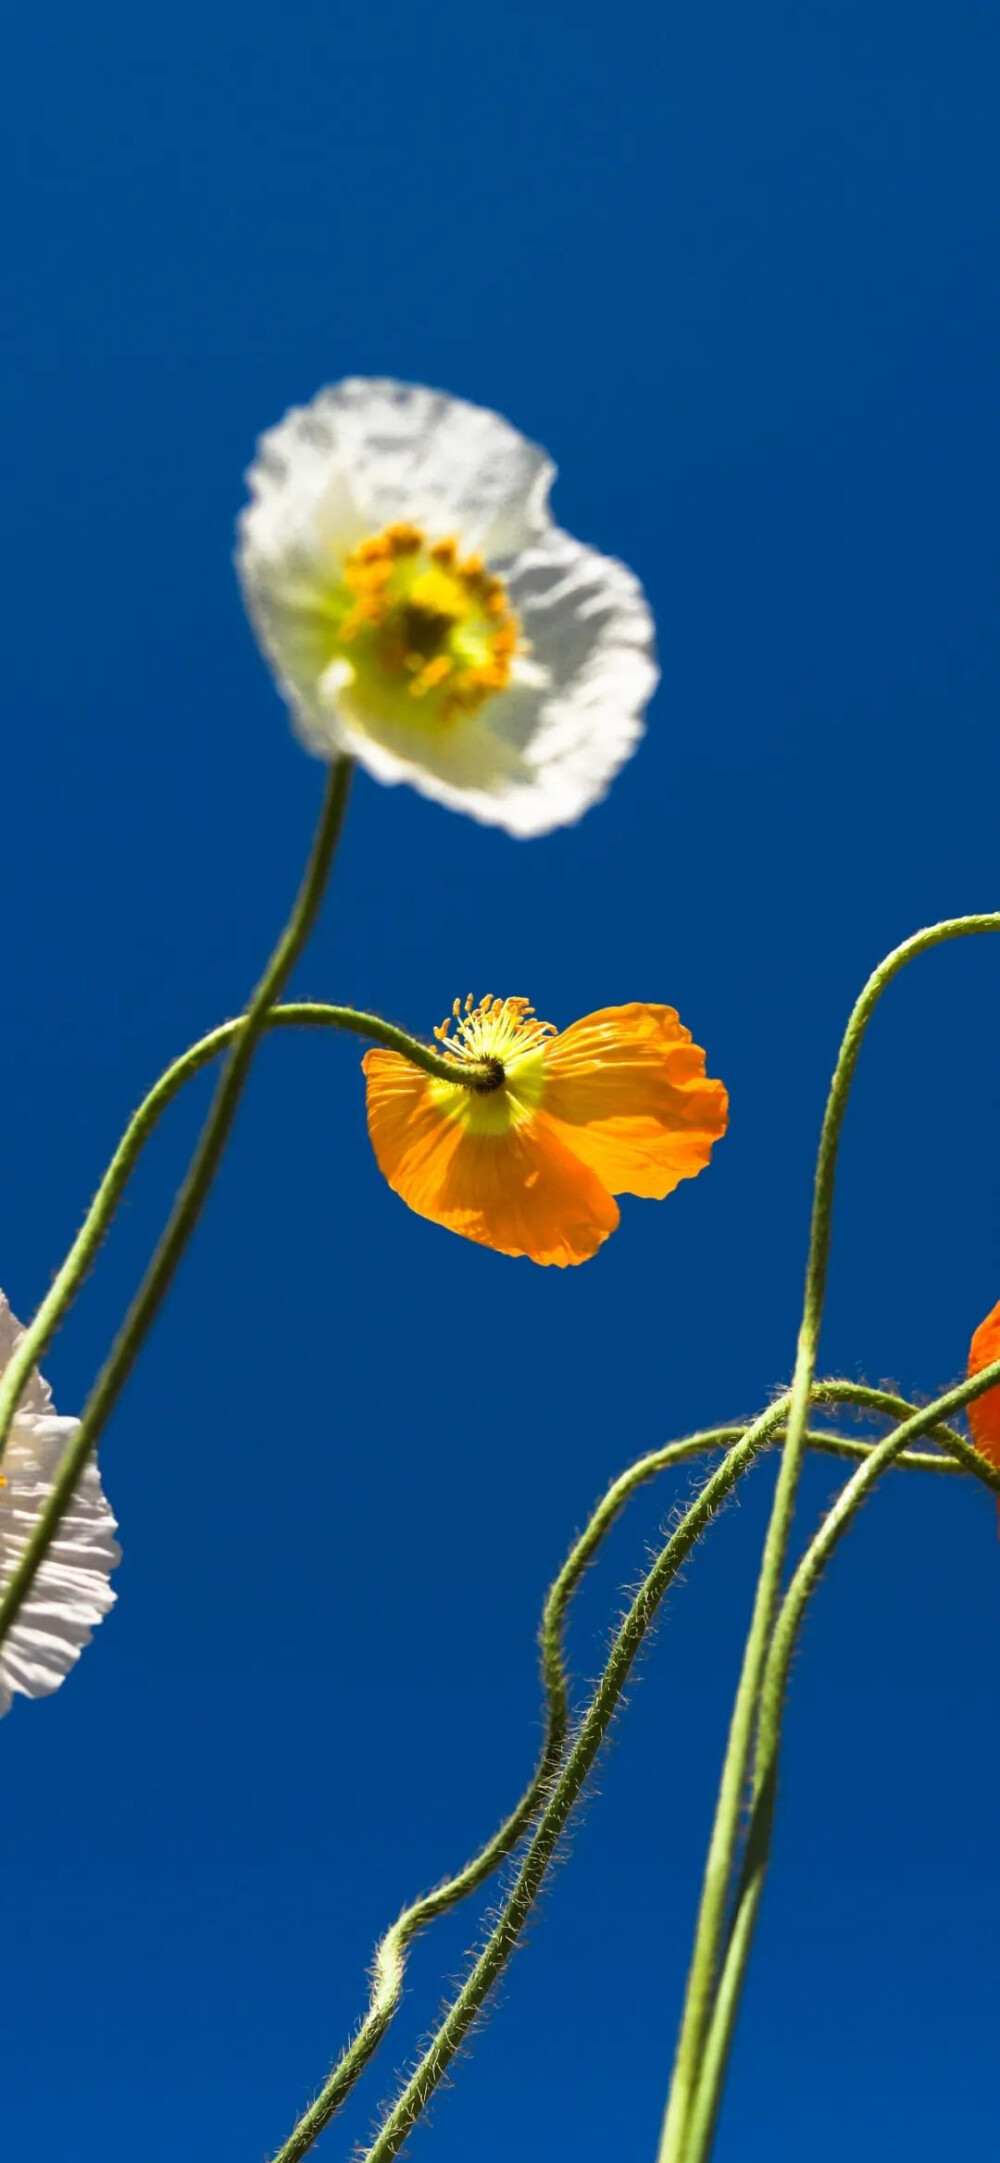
191 1198
388 1967
705 2110
567 1789
834 1526
35 1340
962 1456
565 1794
725 1837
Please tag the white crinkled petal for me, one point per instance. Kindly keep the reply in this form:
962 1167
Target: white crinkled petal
292 537
358 459
449 466
537 756
71 1591
362 456
36 1395
368 454
591 631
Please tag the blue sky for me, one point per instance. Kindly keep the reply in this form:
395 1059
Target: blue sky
737 271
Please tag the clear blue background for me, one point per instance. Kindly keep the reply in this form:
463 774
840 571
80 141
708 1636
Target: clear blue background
736 269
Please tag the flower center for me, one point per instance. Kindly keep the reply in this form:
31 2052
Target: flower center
507 1035
420 631
502 1031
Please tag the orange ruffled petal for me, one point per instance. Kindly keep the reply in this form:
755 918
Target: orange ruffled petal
984 1414
522 1191
632 1099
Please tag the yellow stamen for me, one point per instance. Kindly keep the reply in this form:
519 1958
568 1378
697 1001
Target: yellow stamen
431 675
500 1029
425 631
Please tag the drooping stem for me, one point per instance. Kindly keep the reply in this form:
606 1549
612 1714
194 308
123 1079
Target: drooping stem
836 1522
35 1340
803 1584
567 1789
564 1795
191 1198
725 1837
884 1403
388 1964
388 1967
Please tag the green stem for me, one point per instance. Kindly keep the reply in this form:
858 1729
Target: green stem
388 1967
962 1457
35 1340
565 1794
705 2111
715 2058
725 1837
190 1199
567 1789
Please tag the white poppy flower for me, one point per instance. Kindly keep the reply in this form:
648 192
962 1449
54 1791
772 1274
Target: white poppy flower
71 1591
422 612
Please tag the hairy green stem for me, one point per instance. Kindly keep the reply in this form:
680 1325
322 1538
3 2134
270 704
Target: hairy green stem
388 1967
806 1577
962 1457
388 1964
36 1339
565 1794
566 1790
835 1524
190 1200
725 1837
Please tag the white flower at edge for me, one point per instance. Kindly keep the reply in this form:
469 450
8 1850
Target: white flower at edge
422 612
71 1591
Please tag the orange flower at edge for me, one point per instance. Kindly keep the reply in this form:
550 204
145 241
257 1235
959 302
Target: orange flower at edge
984 1413
619 1103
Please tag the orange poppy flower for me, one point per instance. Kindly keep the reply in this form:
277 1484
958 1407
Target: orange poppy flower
617 1104
984 1413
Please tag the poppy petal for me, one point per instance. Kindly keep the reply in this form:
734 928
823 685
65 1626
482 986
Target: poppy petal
520 1190
984 1413
630 1093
